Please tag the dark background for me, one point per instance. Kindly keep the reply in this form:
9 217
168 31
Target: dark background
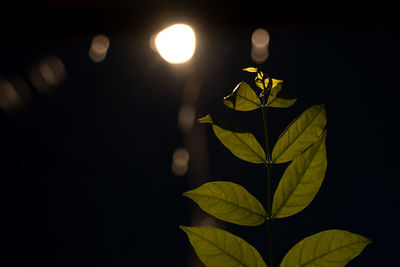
86 168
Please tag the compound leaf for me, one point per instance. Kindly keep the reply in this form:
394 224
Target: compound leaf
301 133
301 181
229 202
331 248
243 145
243 98
216 248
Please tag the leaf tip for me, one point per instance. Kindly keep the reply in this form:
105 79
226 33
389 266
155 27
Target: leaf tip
367 240
187 193
322 106
250 69
183 228
205 119
229 102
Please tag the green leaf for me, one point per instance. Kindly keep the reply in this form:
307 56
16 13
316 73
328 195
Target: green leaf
217 248
243 145
250 69
243 98
301 181
261 85
331 248
301 133
276 100
229 202
206 119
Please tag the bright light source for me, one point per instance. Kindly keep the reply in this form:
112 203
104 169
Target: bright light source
176 44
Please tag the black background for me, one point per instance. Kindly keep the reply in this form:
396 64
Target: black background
85 169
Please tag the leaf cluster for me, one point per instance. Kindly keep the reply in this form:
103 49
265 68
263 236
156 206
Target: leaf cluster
303 145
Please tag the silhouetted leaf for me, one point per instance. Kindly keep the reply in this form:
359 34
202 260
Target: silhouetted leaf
243 98
243 145
229 202
301 181
219 248
276 100
331 248
301 133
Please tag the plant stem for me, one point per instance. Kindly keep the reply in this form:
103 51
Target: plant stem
269 183
268 162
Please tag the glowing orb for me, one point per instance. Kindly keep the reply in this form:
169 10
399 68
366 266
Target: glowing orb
176 44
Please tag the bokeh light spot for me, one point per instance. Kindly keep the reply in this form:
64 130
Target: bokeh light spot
99 47
259 55
49 72
8 95
259 45
180 161
260 38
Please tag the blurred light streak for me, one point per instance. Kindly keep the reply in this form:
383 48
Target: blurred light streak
176 44
191 92
186 117
259 45
199 218
209 221
99 47
180 161
49 72
9 97
187 112
193 137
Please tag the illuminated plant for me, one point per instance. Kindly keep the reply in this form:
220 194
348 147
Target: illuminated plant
303 145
